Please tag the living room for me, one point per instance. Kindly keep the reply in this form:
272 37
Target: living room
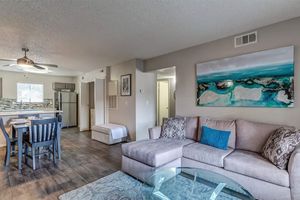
174 101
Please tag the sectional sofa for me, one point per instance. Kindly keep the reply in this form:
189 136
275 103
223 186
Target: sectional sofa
242 161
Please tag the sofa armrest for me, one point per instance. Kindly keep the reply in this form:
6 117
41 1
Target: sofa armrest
154 132
294 172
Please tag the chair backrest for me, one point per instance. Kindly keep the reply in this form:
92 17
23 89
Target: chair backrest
43 130
59 118
3 130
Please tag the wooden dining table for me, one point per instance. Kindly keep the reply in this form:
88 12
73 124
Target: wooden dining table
22 128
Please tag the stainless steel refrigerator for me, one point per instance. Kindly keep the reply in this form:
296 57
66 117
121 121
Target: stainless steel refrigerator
67 102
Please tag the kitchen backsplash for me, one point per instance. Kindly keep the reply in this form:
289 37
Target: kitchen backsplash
12 105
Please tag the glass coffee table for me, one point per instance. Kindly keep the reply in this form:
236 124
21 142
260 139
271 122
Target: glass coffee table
191 184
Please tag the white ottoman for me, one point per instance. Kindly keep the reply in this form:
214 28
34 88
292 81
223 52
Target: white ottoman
109 133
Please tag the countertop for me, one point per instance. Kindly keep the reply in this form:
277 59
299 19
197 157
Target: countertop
24 112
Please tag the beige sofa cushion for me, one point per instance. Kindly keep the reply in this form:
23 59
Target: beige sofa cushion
155 153
224 125
252 136
192 128
206 154
254 165
192 123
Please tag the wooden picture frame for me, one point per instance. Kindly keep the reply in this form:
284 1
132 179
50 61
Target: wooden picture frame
125 85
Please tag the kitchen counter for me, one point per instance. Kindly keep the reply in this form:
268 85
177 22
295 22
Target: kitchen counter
24 112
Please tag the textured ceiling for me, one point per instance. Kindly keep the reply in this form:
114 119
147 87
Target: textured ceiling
85 34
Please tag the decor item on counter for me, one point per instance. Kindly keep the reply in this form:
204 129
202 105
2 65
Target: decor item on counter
260 79
126 85
173 127
280 146
215 138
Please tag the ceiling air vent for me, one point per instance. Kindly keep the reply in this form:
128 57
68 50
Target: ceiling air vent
245 39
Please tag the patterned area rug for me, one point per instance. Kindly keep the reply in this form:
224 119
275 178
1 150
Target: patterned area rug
120 186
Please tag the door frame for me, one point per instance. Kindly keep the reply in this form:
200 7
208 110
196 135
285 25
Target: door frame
84 118
158 100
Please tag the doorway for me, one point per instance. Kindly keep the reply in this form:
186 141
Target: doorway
91 104
166 84
162 100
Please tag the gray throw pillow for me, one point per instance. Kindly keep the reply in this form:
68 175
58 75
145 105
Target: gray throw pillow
280 146
173 128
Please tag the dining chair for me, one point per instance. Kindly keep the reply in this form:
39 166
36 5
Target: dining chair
23 116
42 133
9 143
59 127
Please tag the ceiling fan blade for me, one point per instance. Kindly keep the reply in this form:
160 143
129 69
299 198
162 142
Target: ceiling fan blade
8 65
3 59
47 65
38 67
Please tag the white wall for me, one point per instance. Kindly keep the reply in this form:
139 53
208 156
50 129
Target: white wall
269 37
125 114
84 109
93 75
10 80
137 111
82 81
99 91
145 101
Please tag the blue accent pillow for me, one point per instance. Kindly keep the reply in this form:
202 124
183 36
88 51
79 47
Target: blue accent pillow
214 137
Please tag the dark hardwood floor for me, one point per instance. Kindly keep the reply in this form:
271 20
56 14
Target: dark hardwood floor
83 161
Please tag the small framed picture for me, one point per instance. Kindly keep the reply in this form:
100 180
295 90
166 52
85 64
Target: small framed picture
126 85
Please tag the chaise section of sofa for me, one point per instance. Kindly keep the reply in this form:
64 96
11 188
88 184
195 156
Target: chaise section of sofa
141 158
155 153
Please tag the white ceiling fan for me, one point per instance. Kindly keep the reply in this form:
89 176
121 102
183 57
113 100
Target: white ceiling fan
27 64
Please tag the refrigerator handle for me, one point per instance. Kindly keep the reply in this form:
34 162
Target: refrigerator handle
59 101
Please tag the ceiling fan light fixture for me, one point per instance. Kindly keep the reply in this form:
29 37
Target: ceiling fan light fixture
25 62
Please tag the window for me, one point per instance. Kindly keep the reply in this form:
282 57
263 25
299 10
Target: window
30 93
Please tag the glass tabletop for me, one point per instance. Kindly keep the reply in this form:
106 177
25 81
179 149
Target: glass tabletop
192 184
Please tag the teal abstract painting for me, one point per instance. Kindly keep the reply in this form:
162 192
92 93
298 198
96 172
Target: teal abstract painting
260 79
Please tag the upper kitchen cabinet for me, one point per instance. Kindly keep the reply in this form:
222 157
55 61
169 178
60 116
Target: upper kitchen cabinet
64 86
